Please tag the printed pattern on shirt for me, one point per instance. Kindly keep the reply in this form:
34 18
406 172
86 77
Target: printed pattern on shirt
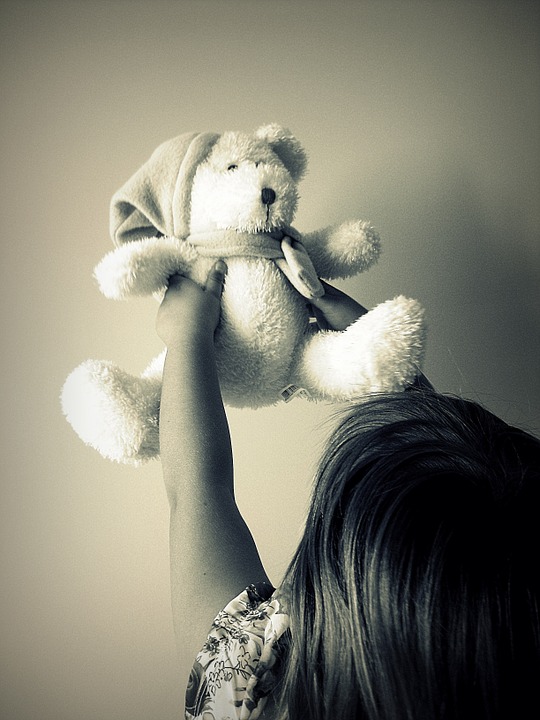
239 663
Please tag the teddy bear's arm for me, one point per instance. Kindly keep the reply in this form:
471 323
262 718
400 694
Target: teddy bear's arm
343 250
143 267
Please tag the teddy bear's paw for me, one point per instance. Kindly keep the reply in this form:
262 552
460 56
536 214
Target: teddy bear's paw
382 351
358 242
345 249
142 267
113 412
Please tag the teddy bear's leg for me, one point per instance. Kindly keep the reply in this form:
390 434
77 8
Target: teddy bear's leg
114 412
382 351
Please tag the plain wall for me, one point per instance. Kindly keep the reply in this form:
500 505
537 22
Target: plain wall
422 117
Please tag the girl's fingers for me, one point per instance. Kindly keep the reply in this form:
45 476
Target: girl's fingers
173 285
216 278
174 280
320 318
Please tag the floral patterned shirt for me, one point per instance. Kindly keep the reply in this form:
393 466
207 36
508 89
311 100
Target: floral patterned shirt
239 664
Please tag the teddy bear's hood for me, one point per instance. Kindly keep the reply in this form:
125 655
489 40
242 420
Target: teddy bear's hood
156 199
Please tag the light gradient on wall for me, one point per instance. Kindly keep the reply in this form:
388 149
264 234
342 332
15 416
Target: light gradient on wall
421 116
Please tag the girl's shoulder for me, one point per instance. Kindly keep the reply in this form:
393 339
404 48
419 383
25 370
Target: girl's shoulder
240 662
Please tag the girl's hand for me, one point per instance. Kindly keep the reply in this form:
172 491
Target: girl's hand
335 310
188 310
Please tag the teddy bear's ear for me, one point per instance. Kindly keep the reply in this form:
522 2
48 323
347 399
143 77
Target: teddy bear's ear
286 147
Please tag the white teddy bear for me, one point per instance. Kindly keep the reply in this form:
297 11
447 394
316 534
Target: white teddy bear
234 195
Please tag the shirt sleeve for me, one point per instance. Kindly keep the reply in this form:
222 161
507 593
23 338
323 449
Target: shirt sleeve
236 668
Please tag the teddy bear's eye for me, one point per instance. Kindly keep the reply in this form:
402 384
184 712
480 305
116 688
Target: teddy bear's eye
257 164
232 167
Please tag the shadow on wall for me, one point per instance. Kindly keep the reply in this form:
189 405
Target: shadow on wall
462 248
485 286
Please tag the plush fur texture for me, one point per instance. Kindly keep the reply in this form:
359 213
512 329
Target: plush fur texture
235 195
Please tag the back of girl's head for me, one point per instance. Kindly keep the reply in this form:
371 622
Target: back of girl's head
415 590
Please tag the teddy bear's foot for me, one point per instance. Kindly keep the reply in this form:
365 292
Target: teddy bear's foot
114 412
381 352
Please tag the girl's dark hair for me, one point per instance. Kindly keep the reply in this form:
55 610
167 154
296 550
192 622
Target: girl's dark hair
414 592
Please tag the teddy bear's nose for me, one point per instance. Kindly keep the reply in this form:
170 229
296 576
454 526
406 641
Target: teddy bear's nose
268 196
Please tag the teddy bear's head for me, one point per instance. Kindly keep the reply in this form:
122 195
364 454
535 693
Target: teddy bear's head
204 182
248 182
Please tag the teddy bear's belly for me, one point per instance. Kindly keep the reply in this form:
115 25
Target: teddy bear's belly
263 323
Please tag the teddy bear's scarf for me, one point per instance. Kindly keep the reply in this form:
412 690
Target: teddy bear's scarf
284 249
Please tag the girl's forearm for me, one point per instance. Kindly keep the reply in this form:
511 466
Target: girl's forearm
212 552
195 444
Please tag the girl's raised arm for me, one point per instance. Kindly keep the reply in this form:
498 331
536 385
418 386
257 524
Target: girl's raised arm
213 554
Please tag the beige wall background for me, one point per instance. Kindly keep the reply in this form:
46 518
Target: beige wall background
420 116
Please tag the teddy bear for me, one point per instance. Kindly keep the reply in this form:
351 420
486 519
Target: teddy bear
233 195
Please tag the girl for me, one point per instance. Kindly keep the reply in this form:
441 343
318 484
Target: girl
414 592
